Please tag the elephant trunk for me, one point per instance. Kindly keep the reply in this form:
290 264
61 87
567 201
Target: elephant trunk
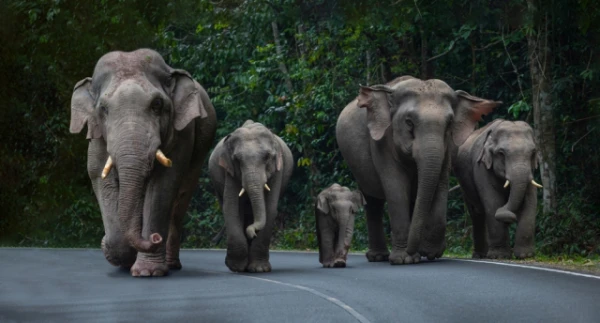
134 166
429 159
255 187
345 236
519 177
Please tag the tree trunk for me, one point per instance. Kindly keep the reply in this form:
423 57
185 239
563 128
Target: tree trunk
282 67
543 115
424 72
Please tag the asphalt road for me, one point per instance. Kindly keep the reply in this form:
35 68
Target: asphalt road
54 285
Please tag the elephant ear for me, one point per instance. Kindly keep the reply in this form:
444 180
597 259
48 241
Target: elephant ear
375 100
186 94
467 113
485 155
225 159
322 204
359 200
82 110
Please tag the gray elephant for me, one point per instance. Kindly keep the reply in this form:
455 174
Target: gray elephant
494 167
138 110
249 170
334 211
397 140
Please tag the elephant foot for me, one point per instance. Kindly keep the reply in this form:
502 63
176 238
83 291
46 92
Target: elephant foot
377 255
259 267
147 268
478 255
523 253
339 263
237 260
499 253
174 264
401 257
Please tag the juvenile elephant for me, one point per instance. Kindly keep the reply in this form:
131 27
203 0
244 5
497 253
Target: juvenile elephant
334 212
249 170
494 167
138 110
397 140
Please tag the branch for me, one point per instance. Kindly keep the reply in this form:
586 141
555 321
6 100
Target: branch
282 67
573 147
513 65
454 188
444 53
488 45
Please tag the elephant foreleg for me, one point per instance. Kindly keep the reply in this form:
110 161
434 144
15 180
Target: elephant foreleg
498 239
525 234
327 228
344 240
378 250
237 245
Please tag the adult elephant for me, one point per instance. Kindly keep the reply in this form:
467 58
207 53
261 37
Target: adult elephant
249 170
397 140
138 110
494 167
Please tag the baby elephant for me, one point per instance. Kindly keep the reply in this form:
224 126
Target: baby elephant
494 167
334 210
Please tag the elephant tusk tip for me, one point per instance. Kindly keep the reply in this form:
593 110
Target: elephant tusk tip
267 187
506 184
536 184
160 156
107 167
241 192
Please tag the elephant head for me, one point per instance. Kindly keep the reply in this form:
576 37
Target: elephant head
135 102
340 203
424 123
254 157
509 151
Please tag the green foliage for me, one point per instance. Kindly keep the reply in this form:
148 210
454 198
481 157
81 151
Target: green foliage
326 48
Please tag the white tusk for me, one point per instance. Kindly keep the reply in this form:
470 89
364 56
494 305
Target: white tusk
536 184
506 184
267 187
107 167
163 159
241 192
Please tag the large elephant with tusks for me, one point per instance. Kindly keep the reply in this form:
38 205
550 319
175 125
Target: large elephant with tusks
150 128
397 139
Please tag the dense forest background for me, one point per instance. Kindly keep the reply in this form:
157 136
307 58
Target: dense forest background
294 65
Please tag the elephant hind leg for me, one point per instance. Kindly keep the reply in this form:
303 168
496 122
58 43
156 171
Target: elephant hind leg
378 250
176 228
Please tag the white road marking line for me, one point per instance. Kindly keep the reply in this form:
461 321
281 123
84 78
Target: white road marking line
334 300
529 267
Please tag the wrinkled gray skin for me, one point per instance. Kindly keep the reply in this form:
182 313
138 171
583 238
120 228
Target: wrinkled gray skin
502 150
397 140
133 105
334 211
249 158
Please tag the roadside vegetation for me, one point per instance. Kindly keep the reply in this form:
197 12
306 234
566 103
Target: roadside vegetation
294 65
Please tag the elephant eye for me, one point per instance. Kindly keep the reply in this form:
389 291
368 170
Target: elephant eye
157 105
409 123
104 109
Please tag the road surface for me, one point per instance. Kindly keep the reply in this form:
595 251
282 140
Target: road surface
78 285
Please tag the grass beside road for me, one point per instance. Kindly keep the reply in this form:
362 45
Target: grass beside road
586 265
